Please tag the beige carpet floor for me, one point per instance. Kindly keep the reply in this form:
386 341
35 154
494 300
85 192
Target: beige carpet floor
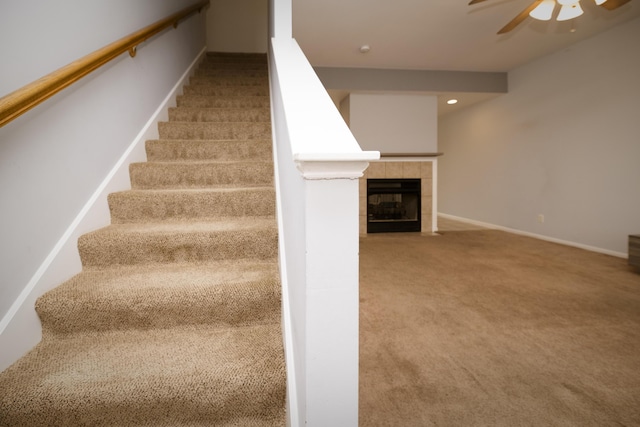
487 328
175 317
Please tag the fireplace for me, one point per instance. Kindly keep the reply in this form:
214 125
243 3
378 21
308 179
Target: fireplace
424 169
393 205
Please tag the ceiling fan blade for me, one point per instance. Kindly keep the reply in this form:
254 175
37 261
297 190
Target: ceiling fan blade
614 4
475 1
521 17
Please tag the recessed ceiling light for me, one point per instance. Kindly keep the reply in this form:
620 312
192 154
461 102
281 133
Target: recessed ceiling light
365 48
452 101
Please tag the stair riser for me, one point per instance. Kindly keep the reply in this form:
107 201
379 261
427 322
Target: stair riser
229 81
219 131
204 175
204 304
203 101
136 207
233 66
109 249
185 114
218 57
216 72
188 150
214 90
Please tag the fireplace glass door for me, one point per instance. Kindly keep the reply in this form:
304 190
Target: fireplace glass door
393 205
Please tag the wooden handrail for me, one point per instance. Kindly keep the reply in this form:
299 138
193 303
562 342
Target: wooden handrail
22 100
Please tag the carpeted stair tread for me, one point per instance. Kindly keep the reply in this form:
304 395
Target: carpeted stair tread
203 130
175 317
202 101
189 114
202 174
229 81
221 294
177 376
233 80
237 56
231 72
220 90
220 150
168 205
171 242
233 65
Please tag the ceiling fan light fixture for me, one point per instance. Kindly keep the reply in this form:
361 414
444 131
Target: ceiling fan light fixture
569 12
544 10
599 2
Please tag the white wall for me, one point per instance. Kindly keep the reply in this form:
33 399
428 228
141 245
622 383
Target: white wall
563 143
280 18
393 123
237 26
54 158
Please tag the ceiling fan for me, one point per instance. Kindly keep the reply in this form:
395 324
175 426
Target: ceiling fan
543 9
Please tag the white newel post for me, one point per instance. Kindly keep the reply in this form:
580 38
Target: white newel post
332 297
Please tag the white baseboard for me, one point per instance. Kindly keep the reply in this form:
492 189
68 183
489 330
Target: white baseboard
20 328
534 235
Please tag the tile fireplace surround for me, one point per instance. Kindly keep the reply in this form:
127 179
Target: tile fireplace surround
424 168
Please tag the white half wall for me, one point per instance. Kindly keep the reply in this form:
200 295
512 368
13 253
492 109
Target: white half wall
393 123
563 143
58 161
238 26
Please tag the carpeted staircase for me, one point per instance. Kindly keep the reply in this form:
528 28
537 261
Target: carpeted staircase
175 318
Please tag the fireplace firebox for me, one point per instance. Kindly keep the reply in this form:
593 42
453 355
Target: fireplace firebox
393 205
